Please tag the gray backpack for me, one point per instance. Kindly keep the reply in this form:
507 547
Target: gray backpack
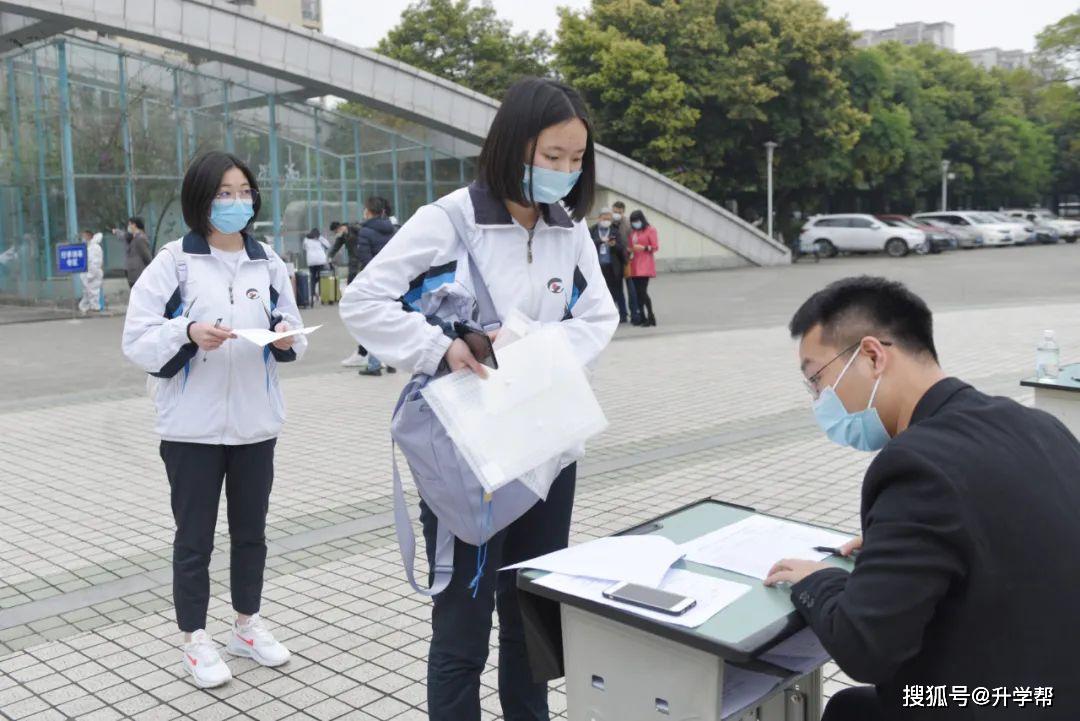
443 478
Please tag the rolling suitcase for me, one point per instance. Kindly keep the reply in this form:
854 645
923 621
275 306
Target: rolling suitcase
303 289
329 288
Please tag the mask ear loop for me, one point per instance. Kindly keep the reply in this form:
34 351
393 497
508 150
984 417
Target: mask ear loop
873 394
843 372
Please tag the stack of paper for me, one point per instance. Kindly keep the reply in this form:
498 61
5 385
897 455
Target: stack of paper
644 560
751 546
535 408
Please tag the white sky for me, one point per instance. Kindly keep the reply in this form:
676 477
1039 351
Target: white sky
1008 24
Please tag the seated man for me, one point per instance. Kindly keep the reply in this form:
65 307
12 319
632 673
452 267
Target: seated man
966 588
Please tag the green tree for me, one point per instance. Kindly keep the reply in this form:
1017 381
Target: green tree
469 45
750 70
1060 43
639 105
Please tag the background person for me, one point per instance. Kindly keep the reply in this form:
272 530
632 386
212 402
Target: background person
611 252
315 247
219 401
94 275
136 249
621 220
375 232
644 244
349 238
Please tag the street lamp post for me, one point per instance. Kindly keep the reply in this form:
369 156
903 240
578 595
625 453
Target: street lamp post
769 147
944 185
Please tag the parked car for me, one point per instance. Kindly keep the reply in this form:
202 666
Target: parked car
967 236
1066 228
993 232
1036 232
858 233
937 239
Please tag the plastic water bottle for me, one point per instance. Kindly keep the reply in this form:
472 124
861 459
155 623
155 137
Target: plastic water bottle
1047 356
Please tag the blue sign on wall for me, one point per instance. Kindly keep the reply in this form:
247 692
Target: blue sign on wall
71 258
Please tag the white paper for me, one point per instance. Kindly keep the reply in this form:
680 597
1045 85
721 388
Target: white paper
536 407
263 337
712 594
752 545
801 652
637 559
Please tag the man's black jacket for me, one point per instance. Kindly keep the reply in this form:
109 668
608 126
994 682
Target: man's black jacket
969 574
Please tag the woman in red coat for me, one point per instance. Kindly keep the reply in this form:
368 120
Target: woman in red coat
644 244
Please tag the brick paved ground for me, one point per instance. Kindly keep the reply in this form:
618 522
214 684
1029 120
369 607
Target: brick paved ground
86 627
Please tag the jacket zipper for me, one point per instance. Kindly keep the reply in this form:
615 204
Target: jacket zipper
529 254
228 370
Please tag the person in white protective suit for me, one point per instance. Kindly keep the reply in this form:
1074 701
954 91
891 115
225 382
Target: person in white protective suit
94 275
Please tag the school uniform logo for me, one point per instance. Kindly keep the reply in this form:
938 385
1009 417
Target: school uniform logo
555 285
252 294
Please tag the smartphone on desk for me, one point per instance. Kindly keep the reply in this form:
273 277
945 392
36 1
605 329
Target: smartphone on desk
651 598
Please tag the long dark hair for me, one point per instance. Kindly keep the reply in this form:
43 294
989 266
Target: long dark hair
637 215
530 106
201 183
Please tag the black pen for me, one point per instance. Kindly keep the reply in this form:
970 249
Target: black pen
829 550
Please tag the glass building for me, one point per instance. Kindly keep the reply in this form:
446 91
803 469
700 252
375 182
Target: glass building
93 132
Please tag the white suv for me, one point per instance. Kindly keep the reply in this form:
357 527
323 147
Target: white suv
993 232
1067 229
828 235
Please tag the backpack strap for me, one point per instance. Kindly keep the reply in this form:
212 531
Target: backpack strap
180 261
443 569
488 317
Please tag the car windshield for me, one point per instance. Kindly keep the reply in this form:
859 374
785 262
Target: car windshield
893 222
983 218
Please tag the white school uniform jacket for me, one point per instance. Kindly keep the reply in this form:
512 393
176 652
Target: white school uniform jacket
228 396
384 307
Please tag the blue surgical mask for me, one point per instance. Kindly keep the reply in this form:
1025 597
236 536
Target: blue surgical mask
547 185
863 430
636 225
231 216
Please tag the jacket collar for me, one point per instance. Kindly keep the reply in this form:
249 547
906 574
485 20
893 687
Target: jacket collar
196 244
934 399
489 210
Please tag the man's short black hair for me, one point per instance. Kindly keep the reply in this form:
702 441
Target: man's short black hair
532 105
137 222
201 183
375 205
852 308
334 226
619 204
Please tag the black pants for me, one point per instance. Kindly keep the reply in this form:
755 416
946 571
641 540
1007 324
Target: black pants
641 290
196 471
461 624
860 703
316 273
354 270
614 278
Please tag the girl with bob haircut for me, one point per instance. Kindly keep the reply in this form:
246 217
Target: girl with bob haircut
523 219
218 398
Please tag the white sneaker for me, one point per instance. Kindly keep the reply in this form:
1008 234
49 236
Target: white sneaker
203 662
253 640
355 360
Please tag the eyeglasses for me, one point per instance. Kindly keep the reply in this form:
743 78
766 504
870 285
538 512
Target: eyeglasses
812 383
247 195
